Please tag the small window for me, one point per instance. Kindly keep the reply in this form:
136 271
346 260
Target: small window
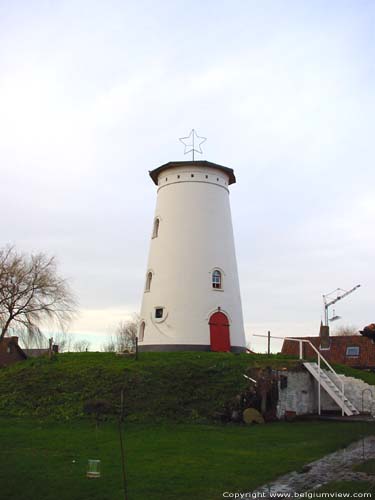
206 176
159 312
192 175
178 177
216 279
148 281
352 351
9 349
141 334
155 231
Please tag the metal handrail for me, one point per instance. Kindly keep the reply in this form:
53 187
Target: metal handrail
320 356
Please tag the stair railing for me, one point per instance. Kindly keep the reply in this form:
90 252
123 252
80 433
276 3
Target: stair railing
320 357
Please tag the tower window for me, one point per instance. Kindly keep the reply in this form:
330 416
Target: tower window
216 279
148 281
155 230
141 334
159 312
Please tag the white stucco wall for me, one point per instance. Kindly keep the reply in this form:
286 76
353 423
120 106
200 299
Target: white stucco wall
301 394
195 237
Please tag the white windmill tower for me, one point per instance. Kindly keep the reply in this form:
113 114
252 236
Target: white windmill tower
191 299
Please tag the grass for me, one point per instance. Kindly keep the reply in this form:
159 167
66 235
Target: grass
164 461
368 377
169 386
184 386
368 467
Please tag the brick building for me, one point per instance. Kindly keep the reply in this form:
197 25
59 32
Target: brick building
10 351
352 350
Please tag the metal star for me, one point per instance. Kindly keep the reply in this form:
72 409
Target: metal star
190 143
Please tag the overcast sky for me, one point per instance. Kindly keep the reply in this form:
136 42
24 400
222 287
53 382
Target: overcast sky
94 94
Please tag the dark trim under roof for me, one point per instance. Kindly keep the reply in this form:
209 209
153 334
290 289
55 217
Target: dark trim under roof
154 174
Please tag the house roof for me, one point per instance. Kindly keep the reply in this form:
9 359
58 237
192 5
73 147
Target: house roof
337 351
7 341
35 353
154 174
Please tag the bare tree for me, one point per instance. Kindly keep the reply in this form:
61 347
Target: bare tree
64 341
81 345
346 330
32 294
39 341
125 336
110 346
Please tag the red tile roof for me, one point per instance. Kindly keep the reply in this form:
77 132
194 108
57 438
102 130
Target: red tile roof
337 351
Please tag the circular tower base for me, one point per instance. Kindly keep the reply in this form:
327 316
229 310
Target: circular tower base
183 347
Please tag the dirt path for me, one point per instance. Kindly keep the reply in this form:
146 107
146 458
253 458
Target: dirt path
334 467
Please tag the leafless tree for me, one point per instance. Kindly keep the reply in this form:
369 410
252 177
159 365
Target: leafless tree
110 346
64 340
32 294
346 330
81 345
125 336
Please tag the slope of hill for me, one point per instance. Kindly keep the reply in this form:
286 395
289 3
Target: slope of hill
179 386
187 386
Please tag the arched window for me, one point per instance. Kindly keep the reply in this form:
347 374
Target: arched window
141 333
155 231
148 281
216 279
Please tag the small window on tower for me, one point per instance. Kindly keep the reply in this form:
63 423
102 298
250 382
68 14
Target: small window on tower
155 231
216 279
148 281
159 312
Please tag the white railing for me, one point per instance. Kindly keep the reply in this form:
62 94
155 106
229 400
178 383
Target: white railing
320 357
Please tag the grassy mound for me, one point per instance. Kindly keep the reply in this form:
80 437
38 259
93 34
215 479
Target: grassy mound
188 386
178 386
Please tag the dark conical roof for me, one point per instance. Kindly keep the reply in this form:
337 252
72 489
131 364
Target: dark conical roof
154 174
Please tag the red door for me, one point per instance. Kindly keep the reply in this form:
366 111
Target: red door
219 332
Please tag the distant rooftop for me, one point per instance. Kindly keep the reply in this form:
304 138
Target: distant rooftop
154 174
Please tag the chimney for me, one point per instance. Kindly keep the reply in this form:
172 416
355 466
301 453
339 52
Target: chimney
324 336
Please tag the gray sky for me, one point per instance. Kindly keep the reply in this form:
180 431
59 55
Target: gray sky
94 94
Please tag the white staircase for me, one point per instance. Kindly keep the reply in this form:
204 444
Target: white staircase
335 391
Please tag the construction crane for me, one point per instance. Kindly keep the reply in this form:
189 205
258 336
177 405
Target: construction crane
340 294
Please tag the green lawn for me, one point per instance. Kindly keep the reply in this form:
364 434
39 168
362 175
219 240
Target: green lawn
164 461
368 466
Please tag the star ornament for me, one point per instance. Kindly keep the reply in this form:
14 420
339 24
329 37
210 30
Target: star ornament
193 143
